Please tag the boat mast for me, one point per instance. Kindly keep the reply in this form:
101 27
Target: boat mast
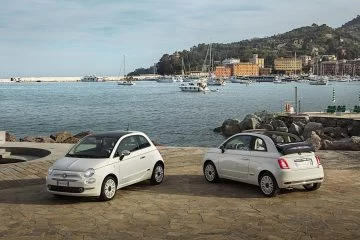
124 66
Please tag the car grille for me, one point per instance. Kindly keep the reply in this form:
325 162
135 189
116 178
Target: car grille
66 189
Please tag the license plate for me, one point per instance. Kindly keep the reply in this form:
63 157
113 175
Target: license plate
63 183
303 163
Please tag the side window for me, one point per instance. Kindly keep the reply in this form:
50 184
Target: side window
259 145
128 143
143 142
241 142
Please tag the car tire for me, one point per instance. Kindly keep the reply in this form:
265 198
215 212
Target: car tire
312 186
210 172
268 185
157 174
108 189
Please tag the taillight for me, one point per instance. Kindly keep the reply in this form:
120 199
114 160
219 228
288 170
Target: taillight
318 160
283 164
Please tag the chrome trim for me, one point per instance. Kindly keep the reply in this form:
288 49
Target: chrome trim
304 181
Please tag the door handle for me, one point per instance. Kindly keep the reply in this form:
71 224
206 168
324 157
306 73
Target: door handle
142 157
246 158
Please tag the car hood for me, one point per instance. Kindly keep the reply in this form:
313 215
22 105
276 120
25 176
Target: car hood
79 164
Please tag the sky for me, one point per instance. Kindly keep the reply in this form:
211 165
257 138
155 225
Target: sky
81 37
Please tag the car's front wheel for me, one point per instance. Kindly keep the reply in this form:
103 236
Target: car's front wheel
312 186
268 185
158 174
210 172
108 189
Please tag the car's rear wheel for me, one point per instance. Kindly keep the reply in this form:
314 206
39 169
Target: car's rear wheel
108 189
312 186
268 185
158 174
210 172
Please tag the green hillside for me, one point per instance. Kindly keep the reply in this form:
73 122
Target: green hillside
344 42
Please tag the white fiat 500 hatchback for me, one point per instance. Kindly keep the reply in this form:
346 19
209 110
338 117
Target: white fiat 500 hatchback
269 159
99 164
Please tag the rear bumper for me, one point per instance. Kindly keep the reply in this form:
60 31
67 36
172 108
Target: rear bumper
288 178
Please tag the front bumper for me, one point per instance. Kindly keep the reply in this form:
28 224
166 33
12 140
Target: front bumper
75 185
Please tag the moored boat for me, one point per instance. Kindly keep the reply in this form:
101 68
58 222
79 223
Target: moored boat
240 79
196 86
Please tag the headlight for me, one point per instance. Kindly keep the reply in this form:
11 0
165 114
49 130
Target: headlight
89 172
50 171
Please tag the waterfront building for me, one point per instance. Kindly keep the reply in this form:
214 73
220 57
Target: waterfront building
305 60
258 61
223 71
338 68
264 71
288 66
245 69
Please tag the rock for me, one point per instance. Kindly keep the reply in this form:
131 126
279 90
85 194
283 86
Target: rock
278 123
268 126
9 137
60 137
230 127
83 134
313 127
250 122
282 129
314 140
340 133
295 129
71 140
354 128
352 144
41 139
217 130
28 139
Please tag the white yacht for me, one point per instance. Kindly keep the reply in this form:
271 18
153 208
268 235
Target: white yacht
90 78
128 81
240 79
212 81
195 86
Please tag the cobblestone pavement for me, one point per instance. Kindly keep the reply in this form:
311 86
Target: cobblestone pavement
184 206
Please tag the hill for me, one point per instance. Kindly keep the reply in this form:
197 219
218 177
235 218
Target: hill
344 42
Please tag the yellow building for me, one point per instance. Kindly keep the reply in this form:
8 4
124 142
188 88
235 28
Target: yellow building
258 61
223 71
245 69
288 65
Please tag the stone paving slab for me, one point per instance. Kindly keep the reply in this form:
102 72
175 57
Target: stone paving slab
184 206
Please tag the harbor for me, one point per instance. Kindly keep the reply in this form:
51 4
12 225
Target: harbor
170 116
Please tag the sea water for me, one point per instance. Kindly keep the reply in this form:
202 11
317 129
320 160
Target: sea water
169 116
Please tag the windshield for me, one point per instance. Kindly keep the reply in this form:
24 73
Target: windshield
93 147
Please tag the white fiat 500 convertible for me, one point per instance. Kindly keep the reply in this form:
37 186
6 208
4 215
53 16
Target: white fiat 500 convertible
269 159
99 164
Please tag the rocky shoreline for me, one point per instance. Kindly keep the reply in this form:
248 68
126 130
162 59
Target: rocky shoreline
60 137
324 133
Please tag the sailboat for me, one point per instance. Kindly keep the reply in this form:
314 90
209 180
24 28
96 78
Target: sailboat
211 79
128 80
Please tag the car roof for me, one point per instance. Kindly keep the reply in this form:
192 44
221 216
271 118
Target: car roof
270 132
115 134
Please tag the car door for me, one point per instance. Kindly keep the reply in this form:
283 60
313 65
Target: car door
131 167
234 161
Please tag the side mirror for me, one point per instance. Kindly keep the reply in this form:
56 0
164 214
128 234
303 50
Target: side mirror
124 153
222 147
